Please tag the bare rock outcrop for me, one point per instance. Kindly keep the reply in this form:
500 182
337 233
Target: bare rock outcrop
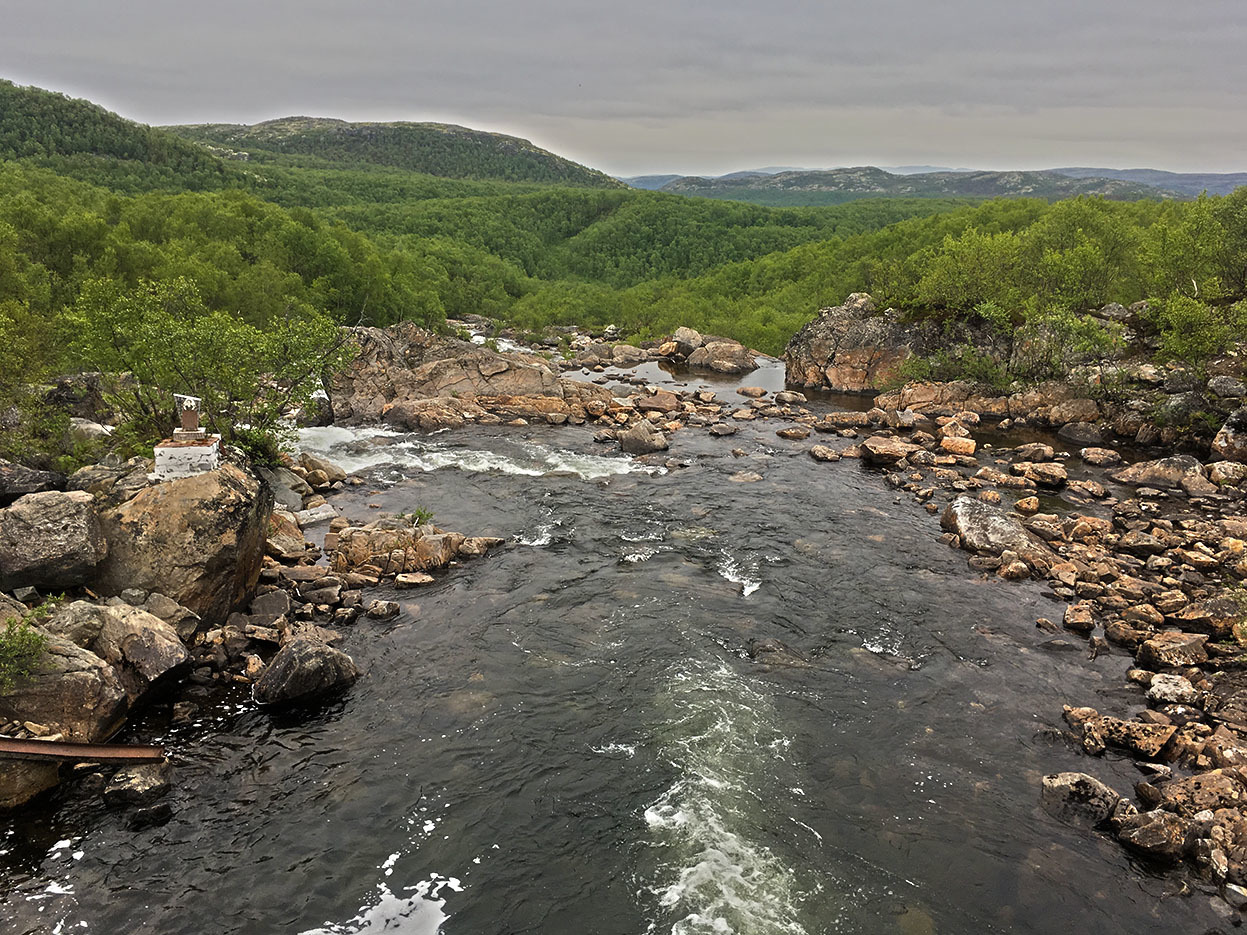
50 540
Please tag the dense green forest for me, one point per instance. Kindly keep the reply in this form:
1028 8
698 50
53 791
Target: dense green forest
103 220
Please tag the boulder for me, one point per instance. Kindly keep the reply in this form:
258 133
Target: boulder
17 480
199 540
140 784
990 530
1164 473
142 648
1172 650
642 439
285 539
1230 443
686 340
72 691
333 473
886 450
1227 387
723 357
50 540
1212 790
288 488
1074 410
303 670
1077 798
1158 834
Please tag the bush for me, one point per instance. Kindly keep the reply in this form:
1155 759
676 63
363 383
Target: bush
21 645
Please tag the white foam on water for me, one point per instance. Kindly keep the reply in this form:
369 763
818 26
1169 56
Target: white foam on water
418 911
358 449
739 572
713 876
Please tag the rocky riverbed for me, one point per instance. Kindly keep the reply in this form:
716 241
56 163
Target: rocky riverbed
734 563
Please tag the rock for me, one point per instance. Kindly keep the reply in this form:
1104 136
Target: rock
320 514
50 540
1227 473
773 652
823 453
958 445
199 540
885 450
1141 739
1212 790
723 428
142 648
642 439
1027 506
333 473
990 530
1226 387
1079 617
304 670
382 610
1157 834
288 488
1172 689
272 604
723 357
1100 457
73 691
285 539
625 355
17 481
686 340
1230 443
412 580
794 433
1077 798
1172 650
141 784
1163 472
1080 433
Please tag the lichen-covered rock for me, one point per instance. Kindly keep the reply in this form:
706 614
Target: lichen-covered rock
199 540
723 357
72 690
1157 834
16 480
1230 443
990 530
303 670
1211 790
1171 650
1163 472
52 539
1077 798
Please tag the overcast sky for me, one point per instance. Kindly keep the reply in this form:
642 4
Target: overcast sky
675 86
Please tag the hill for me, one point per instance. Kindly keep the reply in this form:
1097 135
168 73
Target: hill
833 186
1186 183
82 139
439 149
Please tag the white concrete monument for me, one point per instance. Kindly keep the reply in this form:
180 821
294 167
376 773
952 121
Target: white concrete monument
191 450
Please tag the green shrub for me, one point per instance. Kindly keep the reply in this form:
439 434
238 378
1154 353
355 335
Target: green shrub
21 646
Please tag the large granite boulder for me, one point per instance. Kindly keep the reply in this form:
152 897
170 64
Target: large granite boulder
723 356
991 530
1230 443
303 670
16 480
1163 472
199 540
142 648
50 540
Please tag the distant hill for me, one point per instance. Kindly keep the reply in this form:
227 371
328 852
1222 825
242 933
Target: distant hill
85 140
432 148
648 182
833 186
1187 183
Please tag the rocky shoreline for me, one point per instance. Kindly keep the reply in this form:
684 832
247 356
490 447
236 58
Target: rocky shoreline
211 579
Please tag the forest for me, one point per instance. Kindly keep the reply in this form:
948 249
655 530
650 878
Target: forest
318 233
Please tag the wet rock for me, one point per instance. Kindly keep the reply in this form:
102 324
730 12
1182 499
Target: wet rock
885 450
1027 506
311 463
723 428
1158 834
1077 798
412 580
17 480
794 433
773 652
1080 433
988 529
1079 618
1163 472
723 357
1211 790
199 540
1100 457
52 539
1172 689
141 784
1230 442
382 610
1143 739
823 453
1171 650
642 439
303 670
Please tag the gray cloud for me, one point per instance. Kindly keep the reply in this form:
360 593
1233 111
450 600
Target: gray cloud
679 86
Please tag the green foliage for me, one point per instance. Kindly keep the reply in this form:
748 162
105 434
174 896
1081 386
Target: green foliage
418 516
1193 332
21 647
165 339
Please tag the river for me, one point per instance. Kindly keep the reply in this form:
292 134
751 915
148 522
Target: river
569 736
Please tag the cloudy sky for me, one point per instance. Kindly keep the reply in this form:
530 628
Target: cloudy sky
677 86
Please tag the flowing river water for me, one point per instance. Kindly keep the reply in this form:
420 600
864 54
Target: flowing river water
569 736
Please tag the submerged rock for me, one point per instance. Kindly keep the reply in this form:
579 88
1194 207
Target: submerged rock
1077 798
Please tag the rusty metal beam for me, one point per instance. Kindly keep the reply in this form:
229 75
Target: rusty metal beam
93 752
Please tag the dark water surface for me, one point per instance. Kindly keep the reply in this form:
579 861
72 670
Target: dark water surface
568 736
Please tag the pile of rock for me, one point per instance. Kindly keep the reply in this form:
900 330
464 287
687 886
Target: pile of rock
685 346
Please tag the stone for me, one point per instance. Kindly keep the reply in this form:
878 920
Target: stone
50 540
1027 506
1077 798
1074 410
990 530
140 784
885 450
304 670
1079 618
1164 473
1080 433
1230 443
642 439
382 610
823 453
288 488
723 357
1227 473
686 340
271 604
1213 790
1227 387
1172 650
320 514
1142 739
199 540
1172 689
958 445
794 433
1100 457
310 462
285 539
16 480
412 580
1158 834
721 429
